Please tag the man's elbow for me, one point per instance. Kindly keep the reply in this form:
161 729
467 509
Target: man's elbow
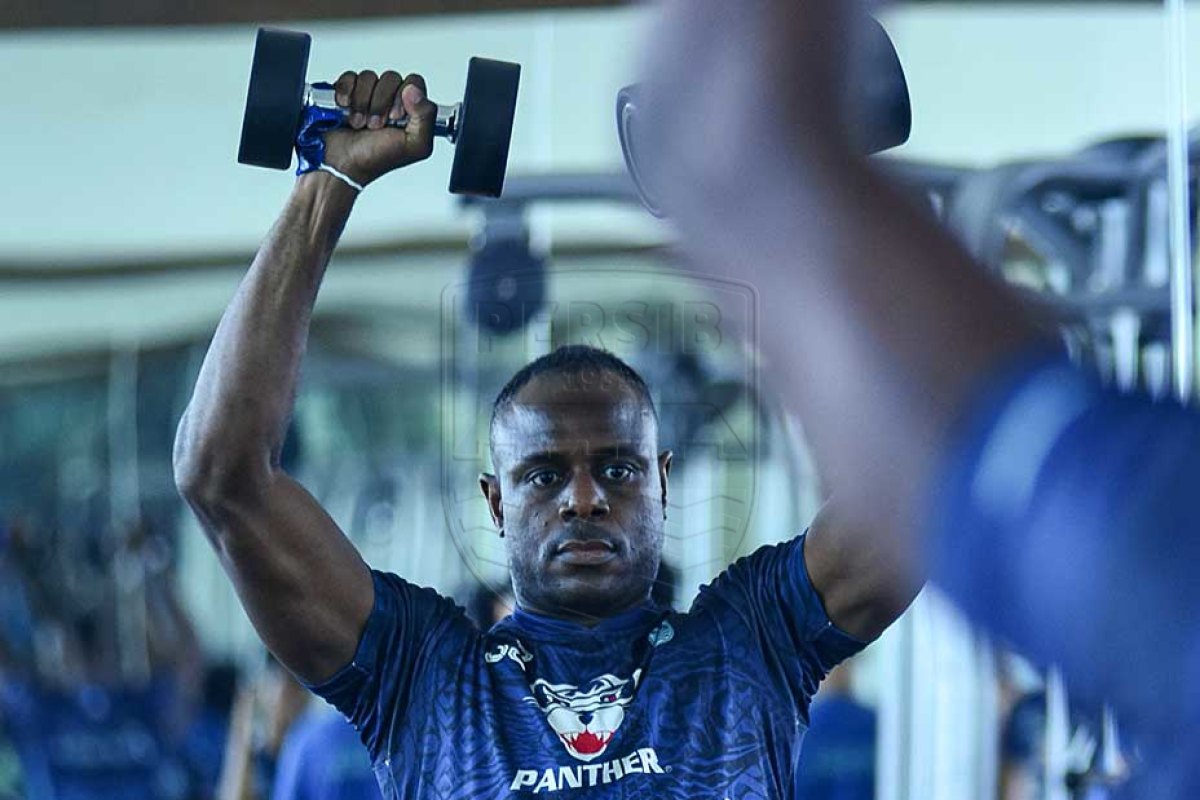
215 475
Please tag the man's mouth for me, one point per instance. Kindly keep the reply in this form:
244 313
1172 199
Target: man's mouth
590 552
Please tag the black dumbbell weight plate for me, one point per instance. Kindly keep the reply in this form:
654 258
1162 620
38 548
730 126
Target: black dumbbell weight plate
485 128
881 114
630 129
276 98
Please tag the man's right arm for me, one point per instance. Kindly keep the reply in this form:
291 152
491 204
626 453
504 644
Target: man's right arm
305 587
939 410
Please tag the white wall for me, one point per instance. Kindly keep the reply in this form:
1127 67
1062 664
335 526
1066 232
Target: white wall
127 140
997 82
124 142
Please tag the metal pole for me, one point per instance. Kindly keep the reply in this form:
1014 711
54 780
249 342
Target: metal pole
893 744
125 513
1183 312
1058 736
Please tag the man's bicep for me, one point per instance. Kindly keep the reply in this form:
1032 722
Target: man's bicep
304 586
864 581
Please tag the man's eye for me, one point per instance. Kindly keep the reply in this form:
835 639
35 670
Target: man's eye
543 477
618 472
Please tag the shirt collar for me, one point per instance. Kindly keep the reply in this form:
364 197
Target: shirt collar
639 618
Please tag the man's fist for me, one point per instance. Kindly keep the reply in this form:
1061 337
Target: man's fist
366 148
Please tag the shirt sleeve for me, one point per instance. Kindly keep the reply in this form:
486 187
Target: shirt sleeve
395 652
1065 521
769 595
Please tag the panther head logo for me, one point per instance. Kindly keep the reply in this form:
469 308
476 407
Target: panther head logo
585 719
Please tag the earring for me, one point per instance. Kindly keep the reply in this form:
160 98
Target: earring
502 533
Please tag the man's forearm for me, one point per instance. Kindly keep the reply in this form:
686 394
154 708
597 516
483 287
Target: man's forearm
243 399
877 329
876 323
881 334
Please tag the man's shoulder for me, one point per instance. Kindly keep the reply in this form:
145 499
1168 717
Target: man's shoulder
417 604
768 562
770 591
408 628
392 583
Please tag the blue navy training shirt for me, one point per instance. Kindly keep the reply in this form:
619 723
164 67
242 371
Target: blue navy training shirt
649 704
1068 521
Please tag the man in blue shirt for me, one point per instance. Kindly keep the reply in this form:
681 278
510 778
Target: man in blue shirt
323 759
838 760
588 689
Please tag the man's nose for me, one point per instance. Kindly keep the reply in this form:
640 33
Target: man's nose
584 499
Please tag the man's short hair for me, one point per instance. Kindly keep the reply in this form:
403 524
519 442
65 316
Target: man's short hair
573 359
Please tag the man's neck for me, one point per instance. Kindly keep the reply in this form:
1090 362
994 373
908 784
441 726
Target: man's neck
578 618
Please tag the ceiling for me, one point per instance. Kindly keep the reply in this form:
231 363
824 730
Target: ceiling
66 14
32 14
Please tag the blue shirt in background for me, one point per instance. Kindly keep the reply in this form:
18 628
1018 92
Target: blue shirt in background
94 743
648 704
323 759
203 750
838 760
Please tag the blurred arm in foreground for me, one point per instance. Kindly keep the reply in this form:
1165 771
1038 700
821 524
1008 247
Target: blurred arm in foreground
952 431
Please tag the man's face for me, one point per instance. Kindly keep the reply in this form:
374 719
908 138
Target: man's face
580 493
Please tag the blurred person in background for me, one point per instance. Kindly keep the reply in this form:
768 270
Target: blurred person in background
1022 710
16 611
14 785
666 586
264 711
80 724
486 606
323 759
16 658
838 759
207 736
1022 748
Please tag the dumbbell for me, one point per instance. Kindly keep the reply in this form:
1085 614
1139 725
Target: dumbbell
879 113
480 126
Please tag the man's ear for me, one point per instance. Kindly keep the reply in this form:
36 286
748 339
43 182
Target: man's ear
665 458
490 486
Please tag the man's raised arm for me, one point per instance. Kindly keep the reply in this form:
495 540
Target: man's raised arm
1058 514
877 327
304 586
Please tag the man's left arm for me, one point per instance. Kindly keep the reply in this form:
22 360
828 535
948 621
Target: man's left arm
865 581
